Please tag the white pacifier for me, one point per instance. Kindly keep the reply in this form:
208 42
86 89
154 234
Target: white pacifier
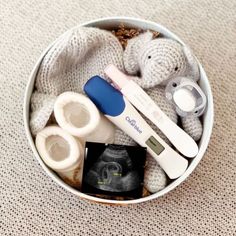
187 97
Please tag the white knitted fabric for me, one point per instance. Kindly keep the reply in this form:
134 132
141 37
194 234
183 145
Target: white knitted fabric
41 107
78 55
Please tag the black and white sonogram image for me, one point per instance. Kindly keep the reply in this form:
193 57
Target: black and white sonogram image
114 169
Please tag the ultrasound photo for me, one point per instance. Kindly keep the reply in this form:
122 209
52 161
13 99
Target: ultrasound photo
114 170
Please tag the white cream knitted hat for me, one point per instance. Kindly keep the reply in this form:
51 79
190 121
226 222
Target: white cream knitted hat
78 55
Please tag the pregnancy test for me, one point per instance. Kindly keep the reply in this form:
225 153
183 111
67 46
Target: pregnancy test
143 102
118 110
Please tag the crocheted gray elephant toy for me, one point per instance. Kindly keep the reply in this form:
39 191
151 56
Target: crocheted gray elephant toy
158 61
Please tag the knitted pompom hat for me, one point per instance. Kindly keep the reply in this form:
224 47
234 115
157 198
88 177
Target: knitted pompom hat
76 56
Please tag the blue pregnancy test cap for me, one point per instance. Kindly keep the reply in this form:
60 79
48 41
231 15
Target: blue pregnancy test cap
108 99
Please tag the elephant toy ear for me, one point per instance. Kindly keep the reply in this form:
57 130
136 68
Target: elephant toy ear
133 48
193 64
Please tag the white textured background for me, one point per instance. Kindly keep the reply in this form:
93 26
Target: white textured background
32 204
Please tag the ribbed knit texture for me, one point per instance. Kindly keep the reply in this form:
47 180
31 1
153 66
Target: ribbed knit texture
31 203
77 56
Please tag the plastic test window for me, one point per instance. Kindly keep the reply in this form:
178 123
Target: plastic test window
155 145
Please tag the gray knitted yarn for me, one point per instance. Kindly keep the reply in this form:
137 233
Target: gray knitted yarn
154 177
193 126
159 60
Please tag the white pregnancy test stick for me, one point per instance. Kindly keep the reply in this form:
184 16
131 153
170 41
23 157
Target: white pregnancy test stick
142 101
119 111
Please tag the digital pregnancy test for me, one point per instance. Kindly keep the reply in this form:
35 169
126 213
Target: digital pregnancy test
142 101
119 111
